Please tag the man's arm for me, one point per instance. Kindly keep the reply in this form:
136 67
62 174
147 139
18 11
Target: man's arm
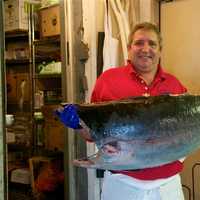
84 131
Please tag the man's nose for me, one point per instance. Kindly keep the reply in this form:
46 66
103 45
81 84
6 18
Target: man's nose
146 46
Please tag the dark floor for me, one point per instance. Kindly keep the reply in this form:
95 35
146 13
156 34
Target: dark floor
23 192
20 195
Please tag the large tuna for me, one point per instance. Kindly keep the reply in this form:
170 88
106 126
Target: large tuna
146 131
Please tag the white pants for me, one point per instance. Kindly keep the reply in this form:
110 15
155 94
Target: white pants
122 187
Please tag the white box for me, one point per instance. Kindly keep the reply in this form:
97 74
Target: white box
16 15
10 137
21 176
46 3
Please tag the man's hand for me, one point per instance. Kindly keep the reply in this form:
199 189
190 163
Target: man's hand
69 116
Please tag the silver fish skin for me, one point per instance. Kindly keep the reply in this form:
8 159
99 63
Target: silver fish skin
145 131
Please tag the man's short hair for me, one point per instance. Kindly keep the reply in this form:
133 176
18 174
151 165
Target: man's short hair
148 27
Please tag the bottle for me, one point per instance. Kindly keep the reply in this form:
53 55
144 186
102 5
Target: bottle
39 123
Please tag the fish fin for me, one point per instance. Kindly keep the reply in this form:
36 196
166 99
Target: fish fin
88 162
83 163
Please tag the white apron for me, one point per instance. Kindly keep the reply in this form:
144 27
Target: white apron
122 187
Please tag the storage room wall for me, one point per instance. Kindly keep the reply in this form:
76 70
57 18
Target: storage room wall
180 56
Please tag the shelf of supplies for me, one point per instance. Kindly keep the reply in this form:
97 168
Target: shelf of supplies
48 48
47 152
44 58
53 102
17 61
15 102
13 106
16 34
27 60
48 40
19 34
18 147
44 76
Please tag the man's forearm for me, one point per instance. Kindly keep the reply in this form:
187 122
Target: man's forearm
85 134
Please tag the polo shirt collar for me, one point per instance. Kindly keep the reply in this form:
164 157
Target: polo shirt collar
160 73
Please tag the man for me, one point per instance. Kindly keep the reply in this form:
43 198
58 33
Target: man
141 76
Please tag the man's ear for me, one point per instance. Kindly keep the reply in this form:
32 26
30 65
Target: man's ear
128 47
129 52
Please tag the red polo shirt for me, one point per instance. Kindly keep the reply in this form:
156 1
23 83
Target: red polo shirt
124 82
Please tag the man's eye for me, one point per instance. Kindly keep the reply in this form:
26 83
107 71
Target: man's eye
153 44
138 43
141 43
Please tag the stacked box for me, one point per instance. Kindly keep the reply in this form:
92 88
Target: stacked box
16 15
50 21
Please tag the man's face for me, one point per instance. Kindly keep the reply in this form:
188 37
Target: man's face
144 52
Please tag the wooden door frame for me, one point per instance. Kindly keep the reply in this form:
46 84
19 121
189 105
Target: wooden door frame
3 152
72 76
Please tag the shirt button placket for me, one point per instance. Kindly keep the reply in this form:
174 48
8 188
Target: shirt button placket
146 94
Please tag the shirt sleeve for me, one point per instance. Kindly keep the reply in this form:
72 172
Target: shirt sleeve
96 93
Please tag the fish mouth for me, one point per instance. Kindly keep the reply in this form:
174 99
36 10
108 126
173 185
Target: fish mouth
109 154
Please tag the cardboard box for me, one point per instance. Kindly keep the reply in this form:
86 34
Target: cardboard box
47 3
18 86
54 130
49 21
23 87
36 164
21 176
16 16
11 85
17 50
54 135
